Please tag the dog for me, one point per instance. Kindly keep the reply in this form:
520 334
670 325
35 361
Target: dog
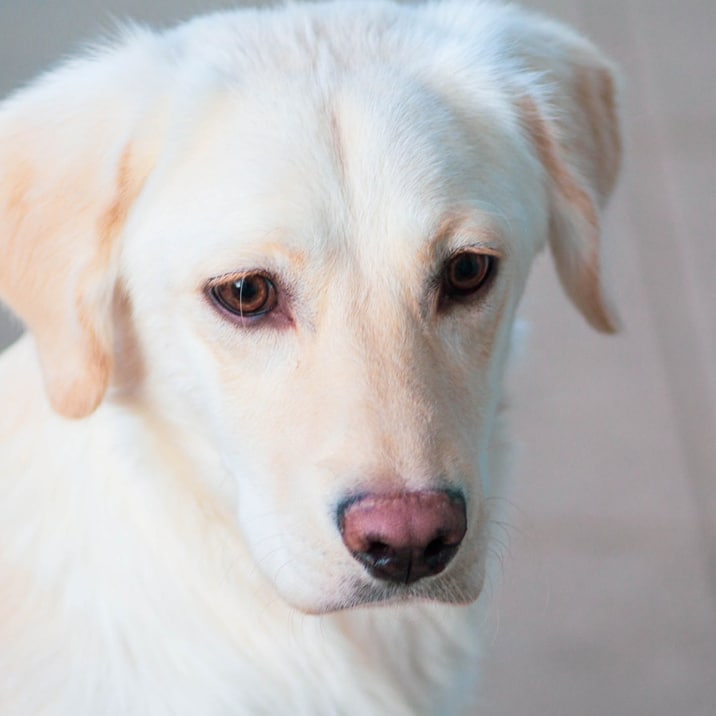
269 263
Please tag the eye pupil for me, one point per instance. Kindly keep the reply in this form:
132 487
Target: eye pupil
248 296
466 273
466 268
248 291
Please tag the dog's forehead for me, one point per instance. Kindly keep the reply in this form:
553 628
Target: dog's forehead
367 163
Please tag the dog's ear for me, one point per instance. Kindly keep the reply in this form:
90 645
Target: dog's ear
571 119
563 92
70 168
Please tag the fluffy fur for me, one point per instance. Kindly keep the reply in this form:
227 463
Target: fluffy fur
169 474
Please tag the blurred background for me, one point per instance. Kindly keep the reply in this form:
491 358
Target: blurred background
606 604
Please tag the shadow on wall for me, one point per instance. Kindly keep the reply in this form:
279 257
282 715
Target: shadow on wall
10 328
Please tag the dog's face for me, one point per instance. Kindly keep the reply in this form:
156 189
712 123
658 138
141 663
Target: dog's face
365 353
313 277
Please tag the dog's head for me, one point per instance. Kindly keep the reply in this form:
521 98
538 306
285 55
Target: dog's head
299 239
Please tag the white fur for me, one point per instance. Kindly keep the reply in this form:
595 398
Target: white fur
170 547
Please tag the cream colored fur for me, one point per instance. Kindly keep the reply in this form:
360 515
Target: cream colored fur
169 477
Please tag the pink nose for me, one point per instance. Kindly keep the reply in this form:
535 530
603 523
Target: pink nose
404 537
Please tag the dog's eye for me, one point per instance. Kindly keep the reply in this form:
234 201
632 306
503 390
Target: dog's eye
248 296
466 273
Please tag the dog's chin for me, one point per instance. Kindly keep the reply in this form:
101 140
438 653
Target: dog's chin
364 593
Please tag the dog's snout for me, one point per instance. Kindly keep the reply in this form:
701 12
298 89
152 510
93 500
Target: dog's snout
406 536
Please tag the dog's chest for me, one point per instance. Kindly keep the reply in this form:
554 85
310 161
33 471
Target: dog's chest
180 660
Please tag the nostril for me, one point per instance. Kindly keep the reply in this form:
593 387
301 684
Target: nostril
439 552
376 556
378 550
435 548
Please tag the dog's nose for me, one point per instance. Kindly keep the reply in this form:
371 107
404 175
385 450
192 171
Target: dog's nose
404 537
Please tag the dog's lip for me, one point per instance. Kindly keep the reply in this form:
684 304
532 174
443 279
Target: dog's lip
362 594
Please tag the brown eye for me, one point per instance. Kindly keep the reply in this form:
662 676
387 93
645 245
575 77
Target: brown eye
466 273
248 296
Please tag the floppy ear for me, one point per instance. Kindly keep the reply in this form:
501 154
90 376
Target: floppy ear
572 122
71 165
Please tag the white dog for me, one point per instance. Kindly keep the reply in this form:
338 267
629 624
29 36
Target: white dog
269 262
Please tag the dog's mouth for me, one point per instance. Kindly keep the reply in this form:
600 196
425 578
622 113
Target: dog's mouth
359 593
395 548
445 589
350 584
